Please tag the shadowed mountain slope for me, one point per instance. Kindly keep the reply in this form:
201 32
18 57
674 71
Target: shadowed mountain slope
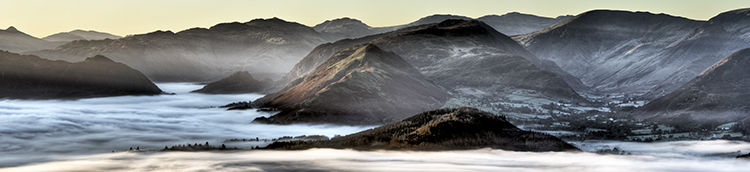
31 77
720 94
638 54
475 63
360 85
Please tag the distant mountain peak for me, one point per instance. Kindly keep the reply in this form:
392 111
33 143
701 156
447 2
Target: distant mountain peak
733 21
624 15
345 28
443 15
518 14
98 58
437 18
341 21
80 34
12 29
167 32
268 20
346 19
277 23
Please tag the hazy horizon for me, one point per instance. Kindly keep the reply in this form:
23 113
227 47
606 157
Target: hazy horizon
43 18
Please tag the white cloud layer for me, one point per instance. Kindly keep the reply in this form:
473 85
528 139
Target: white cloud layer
44 130
658 157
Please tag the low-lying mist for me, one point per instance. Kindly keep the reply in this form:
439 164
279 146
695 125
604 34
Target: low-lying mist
45 130
660 157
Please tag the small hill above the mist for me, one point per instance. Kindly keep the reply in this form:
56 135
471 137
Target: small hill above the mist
238 82
442 129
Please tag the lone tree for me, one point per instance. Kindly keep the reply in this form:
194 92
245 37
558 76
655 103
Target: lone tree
223 146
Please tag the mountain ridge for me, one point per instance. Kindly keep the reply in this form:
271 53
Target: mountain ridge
203 54
614 52
79 34
387 88
718 95
31 77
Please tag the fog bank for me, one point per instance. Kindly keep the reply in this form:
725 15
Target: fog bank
658 158
44 130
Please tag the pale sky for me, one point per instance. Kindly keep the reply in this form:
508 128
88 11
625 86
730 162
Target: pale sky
123 17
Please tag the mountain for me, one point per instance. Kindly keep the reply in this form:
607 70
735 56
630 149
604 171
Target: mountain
715 39
347 28
13 40
515 23
509 24
79 35
442 129
478 65
358 86
720 94
203 54
615 52
31 77
437 18
239 82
